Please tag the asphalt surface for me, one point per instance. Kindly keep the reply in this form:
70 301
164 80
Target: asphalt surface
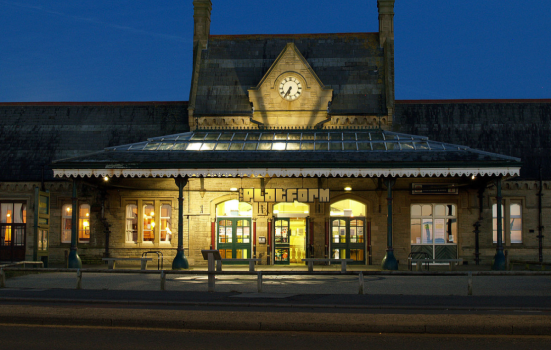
506 305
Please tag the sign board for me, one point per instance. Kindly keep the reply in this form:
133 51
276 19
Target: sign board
215 252
41 225
278 195
434 188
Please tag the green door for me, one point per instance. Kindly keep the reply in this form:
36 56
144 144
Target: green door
348 239
234 238
282 230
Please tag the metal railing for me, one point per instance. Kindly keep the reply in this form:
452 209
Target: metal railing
261 274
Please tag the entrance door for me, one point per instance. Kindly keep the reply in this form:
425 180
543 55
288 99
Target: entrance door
282 229
234 238
348 239
291 241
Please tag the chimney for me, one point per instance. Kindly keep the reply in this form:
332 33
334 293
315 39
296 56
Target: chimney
386 20
201 16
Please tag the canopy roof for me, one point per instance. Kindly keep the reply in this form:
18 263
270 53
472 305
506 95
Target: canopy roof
290 152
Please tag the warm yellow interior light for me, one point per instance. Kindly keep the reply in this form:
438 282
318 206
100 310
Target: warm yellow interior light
278 146
85 223
348 188
87 214
473 177
233 189
68 209
9 215
152 223
106 178
276 211
152 213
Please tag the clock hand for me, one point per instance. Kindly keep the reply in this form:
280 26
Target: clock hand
288 91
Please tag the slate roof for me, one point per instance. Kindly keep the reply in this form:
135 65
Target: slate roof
32 135
340 148
351 64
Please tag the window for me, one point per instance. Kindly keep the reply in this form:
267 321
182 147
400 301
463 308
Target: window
66 222
13 217
433 224
148 221
512 233
166 214
131 223
83 223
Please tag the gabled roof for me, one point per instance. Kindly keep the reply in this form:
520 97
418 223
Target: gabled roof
293 152
351 64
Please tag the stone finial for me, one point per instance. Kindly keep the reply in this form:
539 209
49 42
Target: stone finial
201 17
386 20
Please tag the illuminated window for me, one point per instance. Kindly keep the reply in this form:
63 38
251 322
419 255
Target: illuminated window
66 223
148 222
511 211
234 208
166 215
13 217
84 223
131 223
433 224
348 207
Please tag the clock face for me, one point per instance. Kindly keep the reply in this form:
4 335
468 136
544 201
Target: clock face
290 88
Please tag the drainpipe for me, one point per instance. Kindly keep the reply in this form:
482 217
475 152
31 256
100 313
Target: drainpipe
389 261
500 263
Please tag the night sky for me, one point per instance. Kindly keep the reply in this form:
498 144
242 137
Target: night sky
141 50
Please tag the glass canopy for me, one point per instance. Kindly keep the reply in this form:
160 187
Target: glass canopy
281 140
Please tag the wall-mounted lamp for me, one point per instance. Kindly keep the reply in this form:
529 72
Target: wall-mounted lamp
348 188
106 178
233 189
473 177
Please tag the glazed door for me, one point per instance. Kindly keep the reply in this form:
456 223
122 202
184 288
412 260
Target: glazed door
234 238
282 230
348 239
12 231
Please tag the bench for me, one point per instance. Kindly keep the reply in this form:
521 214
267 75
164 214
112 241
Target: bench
527 264
250 261
427 262
111 261
311 262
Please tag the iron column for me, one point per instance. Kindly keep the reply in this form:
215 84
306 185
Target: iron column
500 262
180 262
389 261
74 261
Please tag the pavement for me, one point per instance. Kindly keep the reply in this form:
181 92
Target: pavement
390 304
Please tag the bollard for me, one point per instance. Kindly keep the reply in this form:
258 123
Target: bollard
470 284
163 280
259 282
361 280
79 279
2 279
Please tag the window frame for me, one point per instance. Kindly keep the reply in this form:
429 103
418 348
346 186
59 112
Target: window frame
506 217
433 217
157 203
80 219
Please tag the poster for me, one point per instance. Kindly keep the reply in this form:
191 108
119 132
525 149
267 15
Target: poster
426 231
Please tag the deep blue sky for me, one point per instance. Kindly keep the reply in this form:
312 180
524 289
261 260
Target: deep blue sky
140 50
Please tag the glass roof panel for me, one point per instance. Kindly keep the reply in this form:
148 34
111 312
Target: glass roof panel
406 145
436 146
321 146
350 146
239 136
279 146
391 146
348 136
251 137
180 146
293 146
364 146
335 146
236 146
152 146
335 136
279 137
208 146
378 146
212 136
264 146
194 146
391 137
421 145
363 136
198 136
222 146
377 136
184 137
321 136
137 146
308 136
250 147
307 146
294 136
166 146
225 137
266 136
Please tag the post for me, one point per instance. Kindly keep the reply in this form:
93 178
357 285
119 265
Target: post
79 279
163 280
540 220
389 261
259 282
212 275
180 262
500 263
74 261
2 279
361 281
470 284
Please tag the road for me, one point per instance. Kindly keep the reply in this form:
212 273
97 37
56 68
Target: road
83 338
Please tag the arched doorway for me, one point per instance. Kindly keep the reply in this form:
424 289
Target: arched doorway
233 229
350 233
291 233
